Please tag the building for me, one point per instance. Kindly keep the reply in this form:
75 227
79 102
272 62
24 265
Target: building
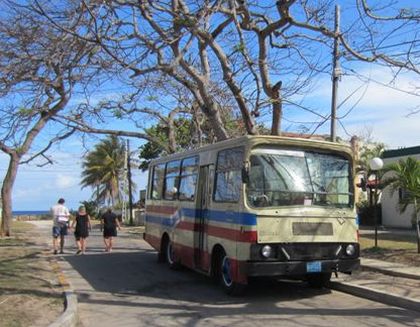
391 216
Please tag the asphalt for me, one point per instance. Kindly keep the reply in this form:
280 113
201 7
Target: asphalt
389 283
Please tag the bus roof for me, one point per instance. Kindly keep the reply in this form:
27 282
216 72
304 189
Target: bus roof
254 140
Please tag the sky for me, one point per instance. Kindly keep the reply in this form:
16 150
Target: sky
382 112
378 111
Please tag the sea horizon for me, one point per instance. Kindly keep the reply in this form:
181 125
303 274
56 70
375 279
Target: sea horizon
30 212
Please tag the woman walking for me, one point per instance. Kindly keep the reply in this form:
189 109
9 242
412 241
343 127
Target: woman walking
110 223
81 232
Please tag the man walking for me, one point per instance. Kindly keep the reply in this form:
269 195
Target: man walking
61 216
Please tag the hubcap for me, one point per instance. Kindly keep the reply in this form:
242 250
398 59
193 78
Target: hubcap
227 279
170 253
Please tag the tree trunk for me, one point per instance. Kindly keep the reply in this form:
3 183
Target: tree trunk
277 109
213 115
6 195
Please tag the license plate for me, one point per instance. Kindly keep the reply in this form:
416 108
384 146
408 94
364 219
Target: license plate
313 267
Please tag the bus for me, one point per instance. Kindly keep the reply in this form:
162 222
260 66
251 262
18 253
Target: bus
255 206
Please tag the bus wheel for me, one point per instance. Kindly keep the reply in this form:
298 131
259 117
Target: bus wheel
318 280
170 255
225 276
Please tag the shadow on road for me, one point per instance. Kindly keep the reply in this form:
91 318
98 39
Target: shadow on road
135 279
140 273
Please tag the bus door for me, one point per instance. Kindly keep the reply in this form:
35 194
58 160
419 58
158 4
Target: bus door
201 218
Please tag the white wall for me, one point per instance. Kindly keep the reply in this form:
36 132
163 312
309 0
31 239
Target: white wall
391 216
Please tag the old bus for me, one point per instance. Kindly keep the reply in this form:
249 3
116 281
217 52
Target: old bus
255 206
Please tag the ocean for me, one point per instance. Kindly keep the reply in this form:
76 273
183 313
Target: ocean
30 212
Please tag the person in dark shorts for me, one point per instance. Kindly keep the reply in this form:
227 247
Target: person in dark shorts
110 223
81 232
60 215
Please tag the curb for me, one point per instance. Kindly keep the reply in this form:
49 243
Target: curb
376 295
394 273
70 315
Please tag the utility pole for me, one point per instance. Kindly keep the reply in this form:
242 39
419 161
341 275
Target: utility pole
124 188
336 73
130 197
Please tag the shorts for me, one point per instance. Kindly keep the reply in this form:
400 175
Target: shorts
60 230
110 232
78 235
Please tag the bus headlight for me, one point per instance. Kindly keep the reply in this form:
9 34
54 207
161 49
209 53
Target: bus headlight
350 250
266 251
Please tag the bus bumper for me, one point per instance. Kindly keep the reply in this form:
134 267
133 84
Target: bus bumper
296 268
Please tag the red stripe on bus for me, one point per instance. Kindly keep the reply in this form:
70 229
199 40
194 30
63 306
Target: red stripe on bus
230 234
225 233
169 210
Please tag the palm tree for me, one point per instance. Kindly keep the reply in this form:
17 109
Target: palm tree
406 176
103 169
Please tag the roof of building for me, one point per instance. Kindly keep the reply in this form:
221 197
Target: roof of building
401 152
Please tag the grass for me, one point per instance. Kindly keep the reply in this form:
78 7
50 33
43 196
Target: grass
393 247
29 294
389 241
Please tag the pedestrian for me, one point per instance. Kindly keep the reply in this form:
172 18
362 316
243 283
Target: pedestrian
110 222
81 232
61 216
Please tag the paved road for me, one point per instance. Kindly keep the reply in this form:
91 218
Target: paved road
129 288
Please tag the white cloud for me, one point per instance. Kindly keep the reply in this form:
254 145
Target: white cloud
65 181
384 110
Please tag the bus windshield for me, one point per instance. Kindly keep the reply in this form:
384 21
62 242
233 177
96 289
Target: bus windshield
284 178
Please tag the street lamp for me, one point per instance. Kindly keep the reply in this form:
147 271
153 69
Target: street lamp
375 165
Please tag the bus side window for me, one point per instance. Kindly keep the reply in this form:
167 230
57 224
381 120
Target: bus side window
229 175
172 180
188 179
157 182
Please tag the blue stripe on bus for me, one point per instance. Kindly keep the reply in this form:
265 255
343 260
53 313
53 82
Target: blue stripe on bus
239 218
161 220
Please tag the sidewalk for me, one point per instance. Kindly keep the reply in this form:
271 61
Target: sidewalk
381 281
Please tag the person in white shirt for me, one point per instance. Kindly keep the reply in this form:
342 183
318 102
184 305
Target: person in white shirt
61 222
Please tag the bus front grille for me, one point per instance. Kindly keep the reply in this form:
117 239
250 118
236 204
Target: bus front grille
309 251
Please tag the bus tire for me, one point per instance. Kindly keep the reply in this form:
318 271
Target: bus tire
170 254
318 280
225 276
161 257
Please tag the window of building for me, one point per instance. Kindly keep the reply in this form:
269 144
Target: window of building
403 194
228 175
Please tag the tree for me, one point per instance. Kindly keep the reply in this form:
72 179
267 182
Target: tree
264 54
103 168
151 150
39 69
406 176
